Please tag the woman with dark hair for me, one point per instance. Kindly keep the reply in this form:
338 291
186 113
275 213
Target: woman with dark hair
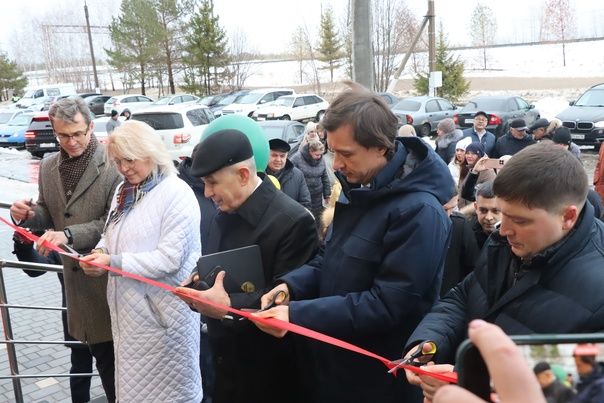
474 152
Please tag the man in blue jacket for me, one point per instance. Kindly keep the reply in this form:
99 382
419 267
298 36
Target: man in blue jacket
382 265
479 133
541 272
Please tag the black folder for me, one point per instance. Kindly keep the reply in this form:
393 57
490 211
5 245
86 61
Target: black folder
243 267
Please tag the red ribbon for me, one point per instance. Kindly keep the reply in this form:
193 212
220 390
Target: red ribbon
450 377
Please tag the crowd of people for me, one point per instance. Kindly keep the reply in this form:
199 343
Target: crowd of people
408 245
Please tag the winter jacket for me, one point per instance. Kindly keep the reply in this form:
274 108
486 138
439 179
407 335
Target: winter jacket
155 333
556 392
461 255
445 145
293 183
466 189
315 173
488 139
590 388
379 274
557 291
510 145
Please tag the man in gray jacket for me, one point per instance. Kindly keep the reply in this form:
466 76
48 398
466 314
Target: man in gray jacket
75 191
290 177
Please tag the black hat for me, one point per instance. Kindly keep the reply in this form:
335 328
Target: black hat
114 112
483 113
562 136
518 124
279 145
539 123
222 149
540 367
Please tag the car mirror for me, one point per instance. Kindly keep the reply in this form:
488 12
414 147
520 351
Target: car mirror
571 103
531 106
171 103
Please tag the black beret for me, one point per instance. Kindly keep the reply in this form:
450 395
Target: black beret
540 367
279 145
222 149
481 113
562 136
518 124
539 123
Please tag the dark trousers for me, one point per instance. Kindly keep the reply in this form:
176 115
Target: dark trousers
105 364
81 363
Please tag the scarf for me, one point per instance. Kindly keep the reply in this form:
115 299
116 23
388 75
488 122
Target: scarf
72 169
129 195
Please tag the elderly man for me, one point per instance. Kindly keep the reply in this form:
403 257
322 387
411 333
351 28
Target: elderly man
527 275
382 265
252 211
479 132
513 141
75 191
290 177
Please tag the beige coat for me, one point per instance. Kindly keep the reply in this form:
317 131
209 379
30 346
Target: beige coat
84 215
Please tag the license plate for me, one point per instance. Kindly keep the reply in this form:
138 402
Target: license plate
577 136
469 121
47 145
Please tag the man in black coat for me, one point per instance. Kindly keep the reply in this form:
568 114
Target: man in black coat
541 272
290 177
487 214
513 141
249 363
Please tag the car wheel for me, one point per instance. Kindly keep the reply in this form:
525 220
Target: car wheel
286 117
425 130
320 115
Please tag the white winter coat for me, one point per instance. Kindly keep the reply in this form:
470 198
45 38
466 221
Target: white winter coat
155 334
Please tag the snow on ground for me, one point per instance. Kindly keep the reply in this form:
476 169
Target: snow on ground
549 107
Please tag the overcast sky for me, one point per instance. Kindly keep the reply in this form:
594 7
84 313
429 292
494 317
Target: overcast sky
268 24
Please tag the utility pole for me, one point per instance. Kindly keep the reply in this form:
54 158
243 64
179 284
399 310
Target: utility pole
431 36
96 77
362 49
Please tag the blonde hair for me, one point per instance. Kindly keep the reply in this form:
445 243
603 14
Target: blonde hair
310 126
553 125
315 145
407 131
138 141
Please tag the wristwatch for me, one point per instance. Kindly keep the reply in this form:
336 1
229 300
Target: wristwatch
68 235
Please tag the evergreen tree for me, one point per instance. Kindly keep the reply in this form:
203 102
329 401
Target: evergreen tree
11 78
330 47
205 51
454 84
136 34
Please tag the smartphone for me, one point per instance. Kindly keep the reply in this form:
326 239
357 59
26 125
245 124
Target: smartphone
494 163
556 350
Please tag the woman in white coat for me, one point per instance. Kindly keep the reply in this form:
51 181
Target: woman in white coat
152 230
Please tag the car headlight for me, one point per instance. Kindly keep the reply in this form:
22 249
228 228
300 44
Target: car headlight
599 125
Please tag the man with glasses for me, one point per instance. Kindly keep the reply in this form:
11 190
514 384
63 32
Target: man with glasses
479 133
513 141
76 187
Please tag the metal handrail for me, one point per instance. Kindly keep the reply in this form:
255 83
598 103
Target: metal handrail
5 205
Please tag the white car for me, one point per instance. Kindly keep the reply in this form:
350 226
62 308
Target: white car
247 104
293 107
177 99
180 126
132 102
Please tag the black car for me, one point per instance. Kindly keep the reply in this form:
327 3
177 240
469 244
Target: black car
501 110
39 137
96 103
585 117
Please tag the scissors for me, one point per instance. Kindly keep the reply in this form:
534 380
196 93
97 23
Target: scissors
278 296
418 358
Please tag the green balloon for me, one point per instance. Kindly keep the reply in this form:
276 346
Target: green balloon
247 126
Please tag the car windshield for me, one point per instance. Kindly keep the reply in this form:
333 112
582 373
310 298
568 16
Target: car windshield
284 101
29 94
23 119
248 99
163 101
273 132
160 120
5 117
485 104
406 105
206 100
591 97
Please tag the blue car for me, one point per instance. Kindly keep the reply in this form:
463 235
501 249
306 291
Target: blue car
12 134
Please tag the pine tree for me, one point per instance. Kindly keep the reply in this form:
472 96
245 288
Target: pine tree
454 84
330 47
136 34
11 78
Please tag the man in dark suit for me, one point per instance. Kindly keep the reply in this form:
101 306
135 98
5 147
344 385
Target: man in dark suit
75 192
252 211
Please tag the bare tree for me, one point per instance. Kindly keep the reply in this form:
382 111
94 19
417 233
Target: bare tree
558 23
304 53
482 28
241 65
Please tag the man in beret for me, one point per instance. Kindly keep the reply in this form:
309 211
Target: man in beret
513 141
553 390
290 177
251 211
479 133
538 129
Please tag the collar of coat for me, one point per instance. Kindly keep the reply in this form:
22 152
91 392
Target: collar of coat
254 207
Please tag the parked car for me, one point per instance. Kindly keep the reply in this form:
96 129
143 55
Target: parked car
180 126
389 98
423 113
39 137
176 99
6 115
293 107
247 104
501 110
128 101
585 117
12 134
289 131
96 103
226 101
211 100
47 102
37 95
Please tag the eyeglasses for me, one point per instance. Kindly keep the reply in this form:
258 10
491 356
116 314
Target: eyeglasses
77 136
126 162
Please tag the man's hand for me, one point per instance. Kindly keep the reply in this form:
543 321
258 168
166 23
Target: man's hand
412 377
99 258
269 296
22 210
216 294
515 381
430 385
54 237
280 312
